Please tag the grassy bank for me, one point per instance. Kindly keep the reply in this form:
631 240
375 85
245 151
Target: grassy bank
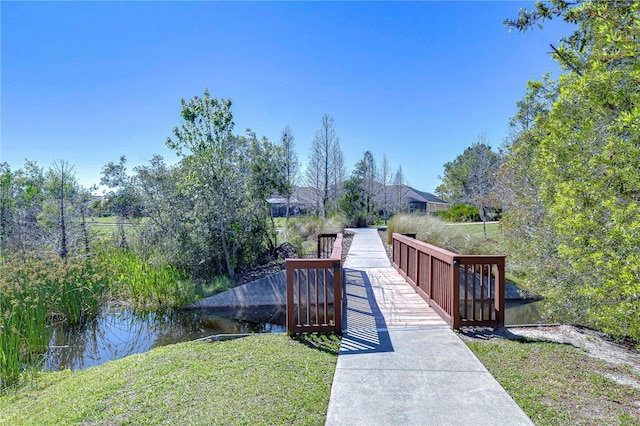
260 379
559 384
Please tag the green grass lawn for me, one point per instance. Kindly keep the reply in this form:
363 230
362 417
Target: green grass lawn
280 222
106 220
493 229
558 384
260 379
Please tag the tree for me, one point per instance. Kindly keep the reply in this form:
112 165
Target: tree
123 198
471 178
359 190
167 238
59 216
291 165
271 166
583 167
524 220
369 182
28 195
325 170
384 176
6 205
226 180
399 192
215 165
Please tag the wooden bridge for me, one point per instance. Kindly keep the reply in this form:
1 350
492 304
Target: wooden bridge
399 361
463 290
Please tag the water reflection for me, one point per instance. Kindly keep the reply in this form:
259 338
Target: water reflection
523 312
117 333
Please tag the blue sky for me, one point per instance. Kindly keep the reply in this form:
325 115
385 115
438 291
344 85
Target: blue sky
87 82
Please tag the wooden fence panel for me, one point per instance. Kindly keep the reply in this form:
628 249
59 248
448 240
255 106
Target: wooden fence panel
312 286
464 290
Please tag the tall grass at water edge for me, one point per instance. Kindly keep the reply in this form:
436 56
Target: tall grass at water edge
437 232
37 290
148 287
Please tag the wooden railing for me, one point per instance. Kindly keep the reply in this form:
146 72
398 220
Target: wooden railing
313 287
326 243
464 290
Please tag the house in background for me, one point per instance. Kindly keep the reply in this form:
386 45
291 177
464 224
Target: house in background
398 198
424 202
403 198
301 202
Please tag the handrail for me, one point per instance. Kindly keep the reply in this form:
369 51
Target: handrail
463 289
326 244
312 285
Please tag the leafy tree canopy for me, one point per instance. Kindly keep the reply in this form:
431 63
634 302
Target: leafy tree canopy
577 164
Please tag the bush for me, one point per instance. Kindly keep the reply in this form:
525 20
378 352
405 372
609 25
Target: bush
460 213
302 232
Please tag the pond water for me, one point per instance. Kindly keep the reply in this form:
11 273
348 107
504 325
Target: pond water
523 313
117 333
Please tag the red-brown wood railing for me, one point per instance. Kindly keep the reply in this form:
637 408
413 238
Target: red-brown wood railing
464 290
310 282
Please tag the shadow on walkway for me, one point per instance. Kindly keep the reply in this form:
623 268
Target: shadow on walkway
366 329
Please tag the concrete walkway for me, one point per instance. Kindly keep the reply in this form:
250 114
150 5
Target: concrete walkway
399 363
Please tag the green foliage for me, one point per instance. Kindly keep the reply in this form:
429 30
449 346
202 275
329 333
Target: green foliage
359 191
122 199
460 213
471 178
37 290
302 232
574 164
145 286
222 185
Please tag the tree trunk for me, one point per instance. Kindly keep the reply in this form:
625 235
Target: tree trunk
227 256
63 225
288 206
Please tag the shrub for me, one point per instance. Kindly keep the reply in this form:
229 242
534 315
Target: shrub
460 213
302 232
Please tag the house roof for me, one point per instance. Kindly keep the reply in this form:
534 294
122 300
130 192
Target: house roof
424 197
306 195
301 195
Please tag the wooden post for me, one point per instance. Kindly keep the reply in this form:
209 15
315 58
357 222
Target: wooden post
455 294
291 321
337 297
500 284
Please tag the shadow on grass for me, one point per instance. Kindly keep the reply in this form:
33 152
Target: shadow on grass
329 343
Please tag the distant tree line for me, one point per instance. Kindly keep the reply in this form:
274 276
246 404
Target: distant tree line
208 214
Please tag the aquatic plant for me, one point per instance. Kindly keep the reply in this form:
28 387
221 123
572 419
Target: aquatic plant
146 286
37 290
